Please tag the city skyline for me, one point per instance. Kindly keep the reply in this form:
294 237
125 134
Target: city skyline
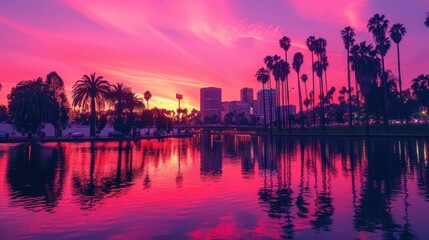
135 43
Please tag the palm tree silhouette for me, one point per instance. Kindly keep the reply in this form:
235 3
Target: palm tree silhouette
310 42
320 50
348 36
118 96
269 63
298 60
262 75
91 89
285 44
147 97
378 26
304 79
276 60
366 66
281 71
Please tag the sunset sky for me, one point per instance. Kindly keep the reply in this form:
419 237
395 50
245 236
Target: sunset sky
170 47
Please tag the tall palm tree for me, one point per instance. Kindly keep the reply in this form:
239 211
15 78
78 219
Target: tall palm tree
262 75
366 64
269 63
397 32
325 64
285 44
276 60
147 96
348 36
320 50
304 79
310 42
117 97
318 69
378 26
92 90
298 60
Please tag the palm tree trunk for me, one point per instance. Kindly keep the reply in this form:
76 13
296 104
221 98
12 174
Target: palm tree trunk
400 83
283 105
314 93
350 89
93 119
301 114
357 99
386 107
306 97
278 106
288 105
263 106
270 102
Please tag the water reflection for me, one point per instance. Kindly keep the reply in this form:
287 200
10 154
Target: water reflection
301 188
35 175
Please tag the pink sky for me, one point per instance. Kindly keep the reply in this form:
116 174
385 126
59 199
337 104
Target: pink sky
170 47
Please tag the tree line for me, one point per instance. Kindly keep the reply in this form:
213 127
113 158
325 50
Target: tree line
34 102
375 87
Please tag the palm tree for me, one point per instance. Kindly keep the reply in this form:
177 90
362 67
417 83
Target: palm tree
134 101
420 86
91 90
269 63
276 60
325 64
298 60
348 36
285 44
378 26
366 66
318 68
31 104
147 96
117 96
320 50
304 79
262 75
397 32
310 42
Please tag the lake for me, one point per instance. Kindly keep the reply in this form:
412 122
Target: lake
216 187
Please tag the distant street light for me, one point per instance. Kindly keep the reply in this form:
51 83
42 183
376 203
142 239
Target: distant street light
179 97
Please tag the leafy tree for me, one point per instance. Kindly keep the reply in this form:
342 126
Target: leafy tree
30 105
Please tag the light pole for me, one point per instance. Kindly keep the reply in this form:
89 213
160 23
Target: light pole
179 97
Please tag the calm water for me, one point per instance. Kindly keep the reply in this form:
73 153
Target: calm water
237 187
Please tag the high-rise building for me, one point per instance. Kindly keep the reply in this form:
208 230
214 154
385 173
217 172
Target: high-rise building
246 94
211 104
268 93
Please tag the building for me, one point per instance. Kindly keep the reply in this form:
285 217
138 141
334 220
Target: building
211 104
269 94
246 94
284 109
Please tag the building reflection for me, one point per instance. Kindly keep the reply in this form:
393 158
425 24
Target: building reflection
211 156
35 175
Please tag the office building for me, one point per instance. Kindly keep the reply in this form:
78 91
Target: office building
211 104
246 94
269 94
